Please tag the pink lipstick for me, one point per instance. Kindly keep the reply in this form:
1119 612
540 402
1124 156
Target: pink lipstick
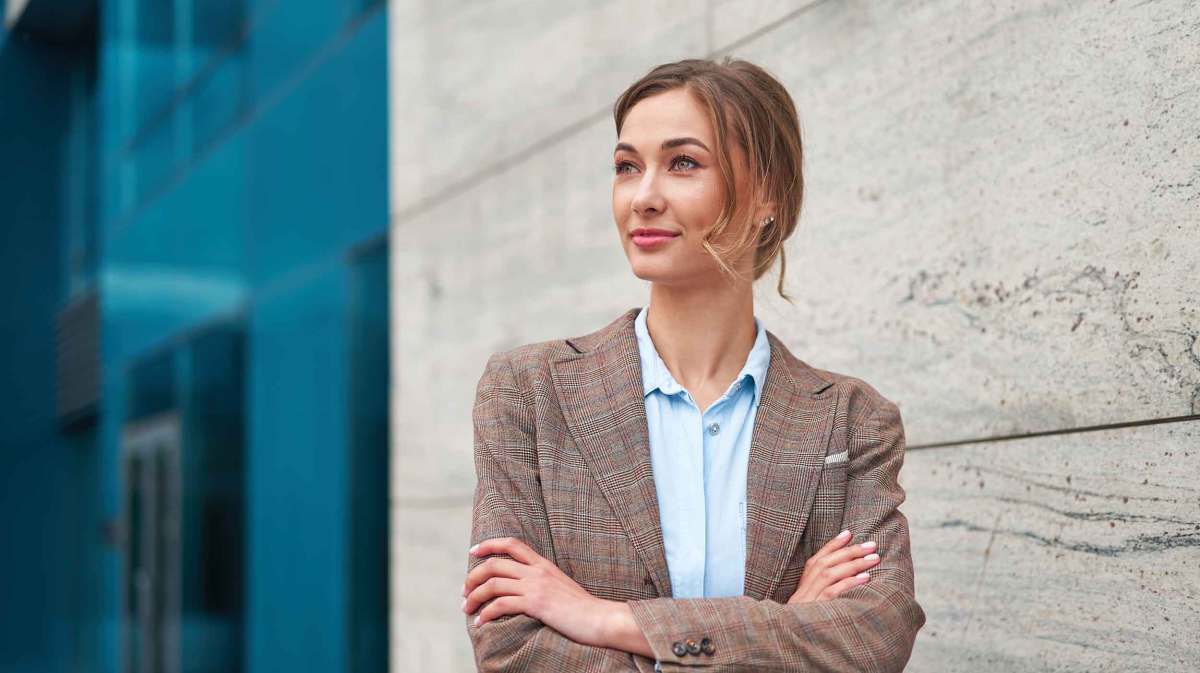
649 237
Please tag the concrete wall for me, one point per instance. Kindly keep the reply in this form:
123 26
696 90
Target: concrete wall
1000 234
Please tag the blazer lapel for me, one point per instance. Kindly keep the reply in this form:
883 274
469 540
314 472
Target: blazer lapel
600 393
787 453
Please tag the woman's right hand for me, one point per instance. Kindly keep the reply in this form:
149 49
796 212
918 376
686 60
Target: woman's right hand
833 569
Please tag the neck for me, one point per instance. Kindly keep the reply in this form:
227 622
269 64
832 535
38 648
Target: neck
702 334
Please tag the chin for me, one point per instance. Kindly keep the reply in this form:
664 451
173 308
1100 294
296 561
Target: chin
646 272
653 273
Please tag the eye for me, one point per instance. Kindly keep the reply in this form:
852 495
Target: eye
685 158
622 164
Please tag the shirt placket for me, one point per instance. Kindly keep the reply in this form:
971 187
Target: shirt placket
697 527
713 427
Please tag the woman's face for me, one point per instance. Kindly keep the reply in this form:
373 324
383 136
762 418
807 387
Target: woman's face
668 190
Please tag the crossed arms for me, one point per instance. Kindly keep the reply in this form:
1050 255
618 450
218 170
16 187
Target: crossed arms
870 627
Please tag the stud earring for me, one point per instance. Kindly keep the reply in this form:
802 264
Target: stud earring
767 222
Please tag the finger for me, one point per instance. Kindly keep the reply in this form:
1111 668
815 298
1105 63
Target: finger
834 573
494 567
507 545
851 553
496 586
835 589
865 562
818 564
505 605
834 544
818 578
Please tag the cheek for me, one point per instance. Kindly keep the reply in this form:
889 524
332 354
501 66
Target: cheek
622 202
699 202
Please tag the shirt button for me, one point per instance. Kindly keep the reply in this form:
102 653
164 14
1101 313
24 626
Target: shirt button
714 428
707 646
679 648
693 647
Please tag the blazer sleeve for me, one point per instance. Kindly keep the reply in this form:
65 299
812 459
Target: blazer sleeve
508 502
869 627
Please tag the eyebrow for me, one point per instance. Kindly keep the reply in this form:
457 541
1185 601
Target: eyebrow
666 145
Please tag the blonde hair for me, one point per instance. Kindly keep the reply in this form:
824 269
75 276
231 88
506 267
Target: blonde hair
743 99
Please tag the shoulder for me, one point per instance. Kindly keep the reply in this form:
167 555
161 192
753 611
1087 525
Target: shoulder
524 365
518 367
858 400
865 416
865 421
856 391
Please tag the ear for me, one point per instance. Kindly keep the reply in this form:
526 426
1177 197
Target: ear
765 210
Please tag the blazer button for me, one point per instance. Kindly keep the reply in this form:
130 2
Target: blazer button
706 646
693 647
679 648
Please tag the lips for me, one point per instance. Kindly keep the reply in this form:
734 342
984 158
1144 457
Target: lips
653 231
645 237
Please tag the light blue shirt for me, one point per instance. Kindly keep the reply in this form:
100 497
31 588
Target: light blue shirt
699 463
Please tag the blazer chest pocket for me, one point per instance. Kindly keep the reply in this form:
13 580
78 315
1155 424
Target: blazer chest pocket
829 506
825 520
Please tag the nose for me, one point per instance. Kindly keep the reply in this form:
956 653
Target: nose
648 200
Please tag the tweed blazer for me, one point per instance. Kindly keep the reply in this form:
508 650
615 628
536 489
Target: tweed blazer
562 462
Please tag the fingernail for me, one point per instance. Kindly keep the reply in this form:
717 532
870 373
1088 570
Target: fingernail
871 557
862 576
843 534
473 548
868 545
464 604
464 590
477 621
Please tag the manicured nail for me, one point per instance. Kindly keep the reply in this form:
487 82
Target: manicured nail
843 534
464 590
473 548
477 621
870 557
464 604
862 576
868 545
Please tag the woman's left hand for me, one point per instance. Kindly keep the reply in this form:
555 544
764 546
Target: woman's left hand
532 585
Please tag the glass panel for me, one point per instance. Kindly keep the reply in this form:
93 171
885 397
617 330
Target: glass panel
218 101
81 185
152 386
133 563
150 449
216 25
186 493
369 376
156 561
155 60
217 96
155 157
214 503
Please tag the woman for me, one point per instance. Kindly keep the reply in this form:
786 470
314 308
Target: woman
667 491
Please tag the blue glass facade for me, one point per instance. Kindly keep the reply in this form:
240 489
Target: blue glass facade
211 177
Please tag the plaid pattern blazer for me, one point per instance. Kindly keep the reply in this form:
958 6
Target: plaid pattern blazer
562 462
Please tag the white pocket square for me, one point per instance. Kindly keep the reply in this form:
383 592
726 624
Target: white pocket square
839 457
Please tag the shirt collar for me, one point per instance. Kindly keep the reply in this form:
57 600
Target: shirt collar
655 374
